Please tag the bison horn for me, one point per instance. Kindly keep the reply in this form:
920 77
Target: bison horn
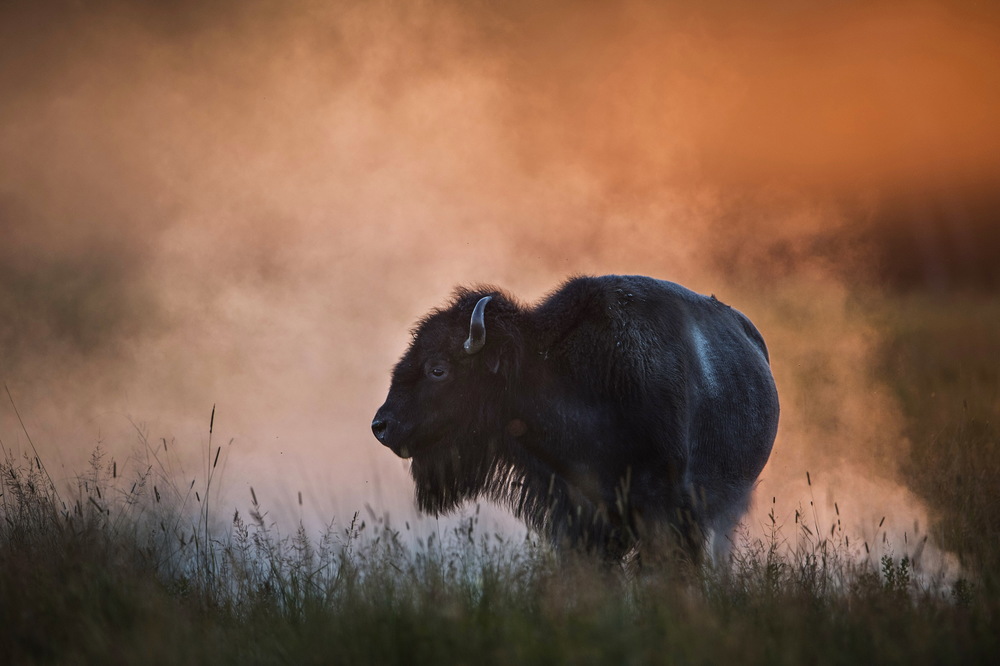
477 327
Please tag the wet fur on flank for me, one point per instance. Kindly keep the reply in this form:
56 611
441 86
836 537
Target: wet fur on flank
618 407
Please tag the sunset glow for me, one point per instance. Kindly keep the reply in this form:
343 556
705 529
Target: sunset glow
249 204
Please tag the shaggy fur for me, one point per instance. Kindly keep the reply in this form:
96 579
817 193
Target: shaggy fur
618 408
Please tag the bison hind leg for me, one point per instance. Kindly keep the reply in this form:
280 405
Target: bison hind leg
724 510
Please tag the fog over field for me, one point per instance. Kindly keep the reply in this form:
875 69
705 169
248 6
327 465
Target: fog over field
248 205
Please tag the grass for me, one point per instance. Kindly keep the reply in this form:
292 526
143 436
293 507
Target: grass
126 567
943 362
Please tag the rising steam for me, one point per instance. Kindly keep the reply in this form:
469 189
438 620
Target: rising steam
249 204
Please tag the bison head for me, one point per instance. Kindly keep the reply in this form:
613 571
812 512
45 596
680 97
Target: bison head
446 402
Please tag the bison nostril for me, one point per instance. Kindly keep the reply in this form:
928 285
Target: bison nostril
379 426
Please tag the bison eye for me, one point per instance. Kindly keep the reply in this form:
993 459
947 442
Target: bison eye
437 371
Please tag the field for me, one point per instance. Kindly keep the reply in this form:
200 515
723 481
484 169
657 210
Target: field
122 569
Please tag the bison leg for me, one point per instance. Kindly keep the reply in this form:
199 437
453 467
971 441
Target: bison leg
729 506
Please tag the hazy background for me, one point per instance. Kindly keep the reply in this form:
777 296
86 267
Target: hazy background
248 204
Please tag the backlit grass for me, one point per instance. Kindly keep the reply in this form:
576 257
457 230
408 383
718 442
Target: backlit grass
127 567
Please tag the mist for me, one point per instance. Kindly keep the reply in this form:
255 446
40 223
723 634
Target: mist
248 205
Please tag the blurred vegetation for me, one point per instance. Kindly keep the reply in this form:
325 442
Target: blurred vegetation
128 568
942 238
942 356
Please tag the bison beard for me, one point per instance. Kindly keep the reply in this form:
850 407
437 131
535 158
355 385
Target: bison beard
445 478
520 478
618 409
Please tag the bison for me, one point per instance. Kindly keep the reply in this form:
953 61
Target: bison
617 409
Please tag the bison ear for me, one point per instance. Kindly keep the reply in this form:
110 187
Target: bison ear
502 359
493 360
